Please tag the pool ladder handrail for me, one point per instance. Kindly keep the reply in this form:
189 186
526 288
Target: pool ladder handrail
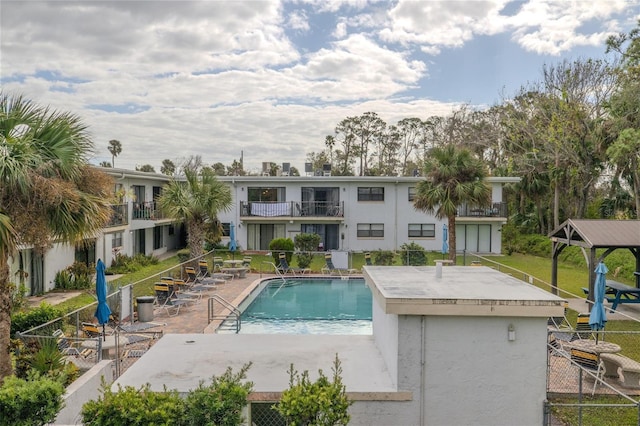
279 274
234 312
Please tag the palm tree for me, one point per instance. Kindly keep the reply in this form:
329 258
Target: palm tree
196 201
48 191
115 148
453 177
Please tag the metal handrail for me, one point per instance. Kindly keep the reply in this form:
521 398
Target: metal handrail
234 311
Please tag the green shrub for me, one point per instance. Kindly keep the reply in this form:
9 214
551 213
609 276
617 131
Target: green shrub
30 402
279 245
413 254
42 357
306 243
76 277
134 407
183 255
123 264
18 296
221 402
63 280
383 257
320 403
145 260
23 321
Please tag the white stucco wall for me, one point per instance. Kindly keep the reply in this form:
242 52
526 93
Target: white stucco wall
86 388
473 374
59 257
385 334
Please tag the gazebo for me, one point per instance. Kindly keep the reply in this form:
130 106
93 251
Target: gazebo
593 234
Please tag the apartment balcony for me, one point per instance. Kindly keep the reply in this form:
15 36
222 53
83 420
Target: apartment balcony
119 215
147 211
495 210
289 209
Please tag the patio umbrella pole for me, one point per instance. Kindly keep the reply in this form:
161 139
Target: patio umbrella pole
598 315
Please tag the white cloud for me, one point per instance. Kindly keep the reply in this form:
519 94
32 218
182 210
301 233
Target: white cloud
217 77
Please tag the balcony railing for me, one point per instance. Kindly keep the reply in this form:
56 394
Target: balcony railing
495 210
291 209
146 211
119 216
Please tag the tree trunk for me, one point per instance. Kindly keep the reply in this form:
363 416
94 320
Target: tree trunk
195 238
556 197
5 319
452 238
636 185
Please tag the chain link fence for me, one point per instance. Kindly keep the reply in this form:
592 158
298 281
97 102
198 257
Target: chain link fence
265 414
85 343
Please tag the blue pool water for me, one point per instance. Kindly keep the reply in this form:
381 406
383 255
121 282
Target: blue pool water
310 306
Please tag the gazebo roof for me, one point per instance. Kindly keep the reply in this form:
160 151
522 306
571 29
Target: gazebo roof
592 234
596 233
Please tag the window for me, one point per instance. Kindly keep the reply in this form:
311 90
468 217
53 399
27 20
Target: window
375 193
116 240
257 194
226 229
371 230
412 193
422 230
171 230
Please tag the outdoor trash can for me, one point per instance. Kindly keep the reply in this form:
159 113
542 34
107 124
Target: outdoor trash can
145 308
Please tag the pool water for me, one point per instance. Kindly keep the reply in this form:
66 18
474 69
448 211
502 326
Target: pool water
310 306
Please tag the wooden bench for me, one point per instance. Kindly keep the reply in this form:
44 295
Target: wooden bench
629 368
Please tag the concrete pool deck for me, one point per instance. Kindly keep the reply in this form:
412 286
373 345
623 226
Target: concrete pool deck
181 361
189 356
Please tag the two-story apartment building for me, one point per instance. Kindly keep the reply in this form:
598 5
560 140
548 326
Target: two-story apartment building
354 213
349 213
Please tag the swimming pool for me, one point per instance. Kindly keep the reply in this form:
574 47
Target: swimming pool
310 306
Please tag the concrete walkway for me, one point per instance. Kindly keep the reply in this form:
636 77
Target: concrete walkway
194 319
52 298
624 311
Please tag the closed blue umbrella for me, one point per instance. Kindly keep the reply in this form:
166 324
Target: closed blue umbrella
232 236
598 315
445 240
102 311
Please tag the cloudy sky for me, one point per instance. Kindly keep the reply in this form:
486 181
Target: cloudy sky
270 80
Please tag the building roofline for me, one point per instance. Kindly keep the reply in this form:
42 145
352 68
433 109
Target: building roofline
125 173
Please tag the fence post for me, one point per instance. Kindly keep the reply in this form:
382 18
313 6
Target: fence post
580 396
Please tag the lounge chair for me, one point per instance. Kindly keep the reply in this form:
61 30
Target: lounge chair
329 268
91 330
206 283
284 267
246 262
164 300
367 259
218 263
590 362
180 290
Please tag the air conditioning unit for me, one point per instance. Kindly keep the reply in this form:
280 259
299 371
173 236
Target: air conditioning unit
285 169
326 169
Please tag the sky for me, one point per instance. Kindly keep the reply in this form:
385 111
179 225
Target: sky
269 80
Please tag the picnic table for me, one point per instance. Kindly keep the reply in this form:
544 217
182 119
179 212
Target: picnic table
236 272
618 293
